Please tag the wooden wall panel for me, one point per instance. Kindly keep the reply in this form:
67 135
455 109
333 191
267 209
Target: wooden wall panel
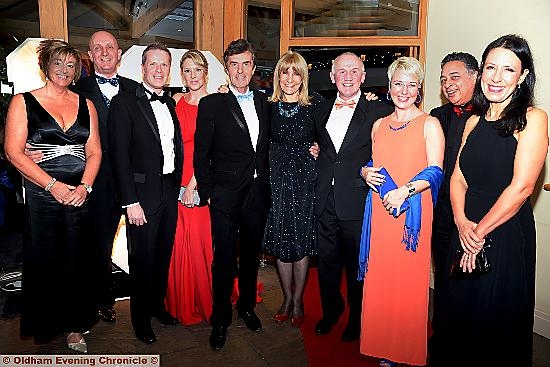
53 19
209 26
234 21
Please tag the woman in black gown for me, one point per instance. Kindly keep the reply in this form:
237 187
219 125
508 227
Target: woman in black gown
488 321
64 127
290 231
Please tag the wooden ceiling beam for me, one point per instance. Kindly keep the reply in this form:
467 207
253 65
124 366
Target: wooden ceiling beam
152 16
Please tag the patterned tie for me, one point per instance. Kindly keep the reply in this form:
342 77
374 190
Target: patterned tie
459 110
248 96
102 80
339 104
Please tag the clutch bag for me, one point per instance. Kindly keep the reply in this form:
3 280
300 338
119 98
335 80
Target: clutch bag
483 265
389 185
196 198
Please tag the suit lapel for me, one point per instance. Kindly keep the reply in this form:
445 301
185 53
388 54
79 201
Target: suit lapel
323 118
355 124
94 93
145 107
239 116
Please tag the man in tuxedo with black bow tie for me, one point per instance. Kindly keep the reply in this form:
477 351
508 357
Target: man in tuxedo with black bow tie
459 72
344 127
231 168
146 155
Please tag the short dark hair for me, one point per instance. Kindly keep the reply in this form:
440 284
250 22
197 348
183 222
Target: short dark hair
237 47
52 48
514 117
467 59
154 46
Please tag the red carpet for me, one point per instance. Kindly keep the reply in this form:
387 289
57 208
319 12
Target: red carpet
328 350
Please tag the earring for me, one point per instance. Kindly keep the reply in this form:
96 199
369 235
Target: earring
73 83
388 97
418 98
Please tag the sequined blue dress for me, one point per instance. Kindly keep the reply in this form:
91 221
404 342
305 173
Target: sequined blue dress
290 229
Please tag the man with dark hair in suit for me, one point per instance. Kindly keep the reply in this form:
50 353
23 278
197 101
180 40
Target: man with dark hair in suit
146 155
344 127
231 168
105 211
459 72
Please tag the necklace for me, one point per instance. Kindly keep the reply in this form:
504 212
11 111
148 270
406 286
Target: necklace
288 113
399 127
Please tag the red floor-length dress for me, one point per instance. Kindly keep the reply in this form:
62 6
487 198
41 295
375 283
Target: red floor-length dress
189 293
395 293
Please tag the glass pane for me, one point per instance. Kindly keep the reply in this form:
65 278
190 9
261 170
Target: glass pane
136 22
263 26
348 18
19 21
375 59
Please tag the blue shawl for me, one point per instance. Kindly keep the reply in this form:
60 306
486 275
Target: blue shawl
413 216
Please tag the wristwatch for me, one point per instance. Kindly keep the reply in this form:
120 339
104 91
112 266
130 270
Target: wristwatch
87 187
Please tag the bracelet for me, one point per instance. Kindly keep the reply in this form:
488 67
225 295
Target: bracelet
49 186
412 189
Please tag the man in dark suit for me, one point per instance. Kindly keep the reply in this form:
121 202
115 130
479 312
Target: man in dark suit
344 133
459 72
231 168
105 211
146 156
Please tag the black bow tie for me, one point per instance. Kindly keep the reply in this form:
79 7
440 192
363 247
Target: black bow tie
102 80
161 99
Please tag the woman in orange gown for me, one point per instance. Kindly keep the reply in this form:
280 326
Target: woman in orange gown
395 293
189 293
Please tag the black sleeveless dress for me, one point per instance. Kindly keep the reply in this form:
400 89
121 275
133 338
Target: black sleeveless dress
489 321
290 228
55 284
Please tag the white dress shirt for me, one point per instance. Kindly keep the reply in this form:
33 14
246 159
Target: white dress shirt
165 125
339 120
108 89
251 117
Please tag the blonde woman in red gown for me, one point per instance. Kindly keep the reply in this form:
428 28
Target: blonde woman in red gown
189 293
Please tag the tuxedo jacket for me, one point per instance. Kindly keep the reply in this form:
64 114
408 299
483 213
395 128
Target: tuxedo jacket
224 159
453 128
350 190
135 149
104 190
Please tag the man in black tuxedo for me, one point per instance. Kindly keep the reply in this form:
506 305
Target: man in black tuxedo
105 211
459 72
146 156
344 127
231 168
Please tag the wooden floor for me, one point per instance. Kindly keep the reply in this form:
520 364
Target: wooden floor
278 344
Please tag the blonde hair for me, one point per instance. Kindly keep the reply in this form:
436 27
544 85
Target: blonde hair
295 61
409 65
197 57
